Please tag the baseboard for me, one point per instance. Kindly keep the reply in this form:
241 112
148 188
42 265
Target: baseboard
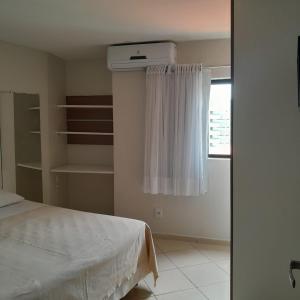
191 239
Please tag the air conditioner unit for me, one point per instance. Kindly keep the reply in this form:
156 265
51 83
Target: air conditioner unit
139 56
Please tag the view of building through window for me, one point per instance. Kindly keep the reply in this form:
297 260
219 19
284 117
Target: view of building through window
219 118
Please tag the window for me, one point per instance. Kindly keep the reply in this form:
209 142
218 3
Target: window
219 118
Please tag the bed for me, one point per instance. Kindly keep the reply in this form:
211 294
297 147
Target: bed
52 253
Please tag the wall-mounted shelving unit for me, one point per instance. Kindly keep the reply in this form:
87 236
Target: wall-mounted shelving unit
87 170
89 120
84 169
84 106
84 120
28 167
33 165
84 133
34 108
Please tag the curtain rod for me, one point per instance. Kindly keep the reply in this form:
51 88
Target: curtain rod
203 67
216 67
172 67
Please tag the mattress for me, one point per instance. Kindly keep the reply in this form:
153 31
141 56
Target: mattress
52 253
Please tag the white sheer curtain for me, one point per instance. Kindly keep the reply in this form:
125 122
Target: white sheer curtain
176 142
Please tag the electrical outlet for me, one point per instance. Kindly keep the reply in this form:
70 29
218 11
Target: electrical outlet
158 213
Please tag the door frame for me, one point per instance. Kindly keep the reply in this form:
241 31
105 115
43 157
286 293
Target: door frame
231 144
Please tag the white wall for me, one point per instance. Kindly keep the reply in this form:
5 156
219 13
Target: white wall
266 199
90 192
206 216
24 70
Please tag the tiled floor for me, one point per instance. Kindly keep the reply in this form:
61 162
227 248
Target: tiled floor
187 271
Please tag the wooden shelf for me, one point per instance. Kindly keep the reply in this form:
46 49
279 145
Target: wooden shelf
84 133
83 106
89 120
34 108
33 166
84 169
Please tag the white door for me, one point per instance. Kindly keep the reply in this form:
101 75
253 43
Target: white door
266 149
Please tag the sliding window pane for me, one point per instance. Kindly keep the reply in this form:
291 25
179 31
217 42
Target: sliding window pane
219 119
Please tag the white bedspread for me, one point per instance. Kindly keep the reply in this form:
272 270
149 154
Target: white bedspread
54 253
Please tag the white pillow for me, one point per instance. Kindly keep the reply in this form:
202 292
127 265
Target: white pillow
7 198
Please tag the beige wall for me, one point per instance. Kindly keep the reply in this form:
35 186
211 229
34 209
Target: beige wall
210 52
266 141
207 216
88 77
24 70
8 154
90 192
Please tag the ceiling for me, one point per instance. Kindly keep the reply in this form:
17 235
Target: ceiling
74 29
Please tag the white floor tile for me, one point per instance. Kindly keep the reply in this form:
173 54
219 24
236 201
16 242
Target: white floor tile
224 264
206 265
214 252
169 281
187 257
187 295
164 263
172 245
219 291
134 297
205 274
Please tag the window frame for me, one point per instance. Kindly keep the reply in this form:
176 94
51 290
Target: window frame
214 82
